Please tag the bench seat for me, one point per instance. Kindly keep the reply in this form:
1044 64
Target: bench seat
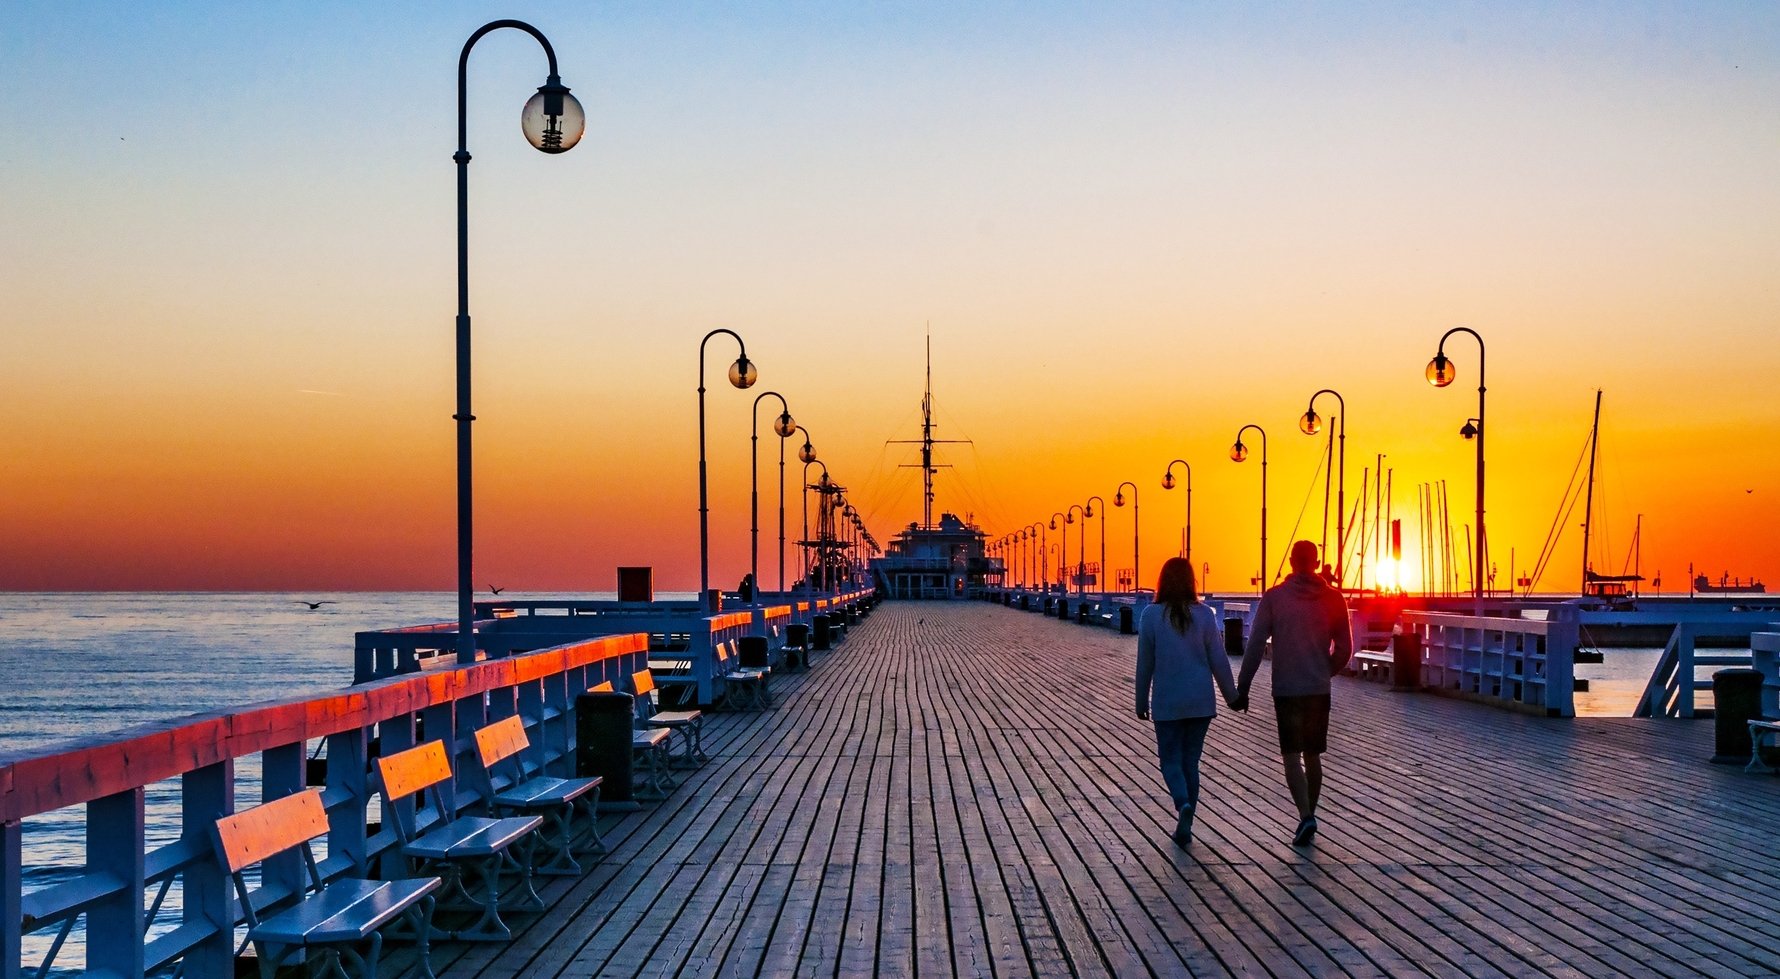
545 791
470 836
347 911
1759 731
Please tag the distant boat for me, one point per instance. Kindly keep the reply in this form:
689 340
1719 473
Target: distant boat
1727 584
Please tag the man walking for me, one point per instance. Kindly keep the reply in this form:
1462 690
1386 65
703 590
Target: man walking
1307 621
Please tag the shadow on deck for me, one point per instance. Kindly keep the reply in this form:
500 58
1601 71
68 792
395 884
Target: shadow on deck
963 790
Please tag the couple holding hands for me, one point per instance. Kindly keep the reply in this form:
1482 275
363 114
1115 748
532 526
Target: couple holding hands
1180 653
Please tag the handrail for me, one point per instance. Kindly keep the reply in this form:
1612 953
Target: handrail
1526 664
1670 690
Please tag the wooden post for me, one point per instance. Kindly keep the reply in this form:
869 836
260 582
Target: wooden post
347 771
703 652
11 899
281 773
206 794
114 847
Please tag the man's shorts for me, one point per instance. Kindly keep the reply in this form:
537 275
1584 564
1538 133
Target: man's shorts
1303 724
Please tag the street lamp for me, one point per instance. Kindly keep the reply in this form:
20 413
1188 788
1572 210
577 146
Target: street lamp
1310 424
552 121
1042 574
805 543
742 375
1136 564
1238 453
1440 373
1081 544
1063 559
783 426
1168 484
1088 511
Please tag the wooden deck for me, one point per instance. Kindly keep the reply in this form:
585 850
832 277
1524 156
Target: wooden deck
963 790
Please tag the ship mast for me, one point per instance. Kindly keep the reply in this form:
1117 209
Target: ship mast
927 442
1588 511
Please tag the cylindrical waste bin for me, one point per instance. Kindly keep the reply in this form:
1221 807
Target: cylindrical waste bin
1233 636
752 653
1081 613
1062 608
1736 700
1025 603
797 642
1406 661
1127 625
821 632
602 746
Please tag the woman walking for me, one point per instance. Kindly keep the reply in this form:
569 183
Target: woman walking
1178 655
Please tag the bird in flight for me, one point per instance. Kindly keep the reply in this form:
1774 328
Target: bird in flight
497 591
314 605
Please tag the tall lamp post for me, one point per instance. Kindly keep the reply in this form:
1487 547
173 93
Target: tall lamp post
1136 563
1311 424
1238 453
1081 544
807 463
743 375
1168 484
1088 512
783 426
552 121
1440 373
1063 558
806 454
1041 574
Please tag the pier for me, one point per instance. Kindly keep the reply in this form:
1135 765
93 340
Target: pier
961 789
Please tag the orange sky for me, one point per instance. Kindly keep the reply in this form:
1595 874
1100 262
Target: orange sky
229 298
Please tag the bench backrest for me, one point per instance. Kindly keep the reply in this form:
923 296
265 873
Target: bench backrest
269 829
604 686
501 740
407 772
643 682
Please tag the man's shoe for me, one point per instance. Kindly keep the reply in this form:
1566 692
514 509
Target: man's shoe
1183 829
1306 832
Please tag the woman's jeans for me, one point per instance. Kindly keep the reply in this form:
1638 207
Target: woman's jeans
1178 747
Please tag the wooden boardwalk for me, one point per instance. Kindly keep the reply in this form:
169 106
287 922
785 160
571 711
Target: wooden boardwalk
963 790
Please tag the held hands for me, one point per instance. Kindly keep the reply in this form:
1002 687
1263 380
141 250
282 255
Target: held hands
1240 702
1142 714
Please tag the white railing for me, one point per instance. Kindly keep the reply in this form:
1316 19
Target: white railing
1526 664
1675 681
1765 650
184 774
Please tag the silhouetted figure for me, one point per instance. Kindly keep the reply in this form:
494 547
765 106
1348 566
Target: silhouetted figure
1307 621
315 605
746 589
1179 653
1328 576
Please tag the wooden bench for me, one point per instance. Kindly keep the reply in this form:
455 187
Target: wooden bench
689 724
1760 731
650 778
332 917
1370 664
418 799
750 679
510 786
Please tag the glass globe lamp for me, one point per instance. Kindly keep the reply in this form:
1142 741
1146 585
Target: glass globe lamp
1238 452
785 425
1311 423
807 454
1441 371
1168 481
742 373
553 120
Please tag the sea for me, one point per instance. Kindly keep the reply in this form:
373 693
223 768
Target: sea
81 664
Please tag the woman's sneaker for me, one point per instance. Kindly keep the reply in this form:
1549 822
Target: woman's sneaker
1306 832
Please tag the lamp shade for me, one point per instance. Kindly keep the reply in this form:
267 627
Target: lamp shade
553 120
742 373
1238 452
785 425
1441 371
1311 423
1168 481
807 454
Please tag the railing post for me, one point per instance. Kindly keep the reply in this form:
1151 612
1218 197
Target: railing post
347 772
206 794
703 651
1563 626
1684 669
114 848
281 773
12 912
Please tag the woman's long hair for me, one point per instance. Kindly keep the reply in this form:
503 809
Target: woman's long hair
1176 592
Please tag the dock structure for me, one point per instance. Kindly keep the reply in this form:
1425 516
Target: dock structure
963 790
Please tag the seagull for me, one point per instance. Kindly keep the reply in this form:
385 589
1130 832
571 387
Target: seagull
497 591
314 605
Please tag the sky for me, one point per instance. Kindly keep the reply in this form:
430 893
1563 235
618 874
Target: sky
227 257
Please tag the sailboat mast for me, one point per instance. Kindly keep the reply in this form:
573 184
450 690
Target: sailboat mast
1588 511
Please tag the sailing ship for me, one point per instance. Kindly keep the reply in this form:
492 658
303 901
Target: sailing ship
929 559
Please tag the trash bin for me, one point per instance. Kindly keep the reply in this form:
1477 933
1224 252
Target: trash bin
1062 608
1233 636
1025 603
752 654
1736 700
602 746
821 633
1127 626
1081 613
1406 661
